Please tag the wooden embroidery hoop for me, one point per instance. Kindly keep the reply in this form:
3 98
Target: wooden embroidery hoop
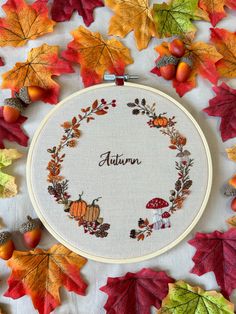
100 258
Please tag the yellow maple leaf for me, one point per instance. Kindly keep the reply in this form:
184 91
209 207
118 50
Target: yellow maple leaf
231 153
42 63
133 15
8 187
24 22
96 55
40 274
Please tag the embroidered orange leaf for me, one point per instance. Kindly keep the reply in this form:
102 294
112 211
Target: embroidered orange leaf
204 57
42 63
24 22
40 274
133 15
96 55
215 8
225 43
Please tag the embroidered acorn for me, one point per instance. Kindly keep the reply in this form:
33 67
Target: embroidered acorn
78 208
92 212
29 94
6 245
167 66
184 69
32 231
12 109
177 48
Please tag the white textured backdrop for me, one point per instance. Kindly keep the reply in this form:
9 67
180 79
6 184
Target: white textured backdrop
176 262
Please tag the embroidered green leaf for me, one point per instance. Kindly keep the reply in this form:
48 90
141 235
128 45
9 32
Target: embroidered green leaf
176 17
183 298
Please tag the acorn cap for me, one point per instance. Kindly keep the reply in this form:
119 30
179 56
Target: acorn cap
187 60
165 60
30 225
24 95
14 103
4 237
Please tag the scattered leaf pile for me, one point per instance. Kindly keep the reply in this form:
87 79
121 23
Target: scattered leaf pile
40 274
96 55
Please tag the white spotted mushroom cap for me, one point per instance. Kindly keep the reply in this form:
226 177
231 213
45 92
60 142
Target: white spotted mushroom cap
157 203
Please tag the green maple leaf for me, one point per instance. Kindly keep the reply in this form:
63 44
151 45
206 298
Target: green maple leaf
176 17
183 298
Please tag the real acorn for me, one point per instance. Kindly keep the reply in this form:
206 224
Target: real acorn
184 69
177 48
12 109
6 245
29 94
32 231
167 66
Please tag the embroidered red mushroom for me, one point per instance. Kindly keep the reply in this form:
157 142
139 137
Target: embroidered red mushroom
165 220
157 204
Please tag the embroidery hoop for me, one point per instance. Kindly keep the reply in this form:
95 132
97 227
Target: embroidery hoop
101 258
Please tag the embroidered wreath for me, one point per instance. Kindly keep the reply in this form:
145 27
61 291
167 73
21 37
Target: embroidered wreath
162 210
87 215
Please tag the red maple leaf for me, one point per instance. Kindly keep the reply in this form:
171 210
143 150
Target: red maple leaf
136 292
62 10
216 252
1 62
12 131
224 105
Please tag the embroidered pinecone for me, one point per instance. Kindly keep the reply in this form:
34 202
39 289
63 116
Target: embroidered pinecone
4 237
140 222
133 234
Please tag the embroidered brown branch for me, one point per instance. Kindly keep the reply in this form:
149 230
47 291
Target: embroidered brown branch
88 215
161 216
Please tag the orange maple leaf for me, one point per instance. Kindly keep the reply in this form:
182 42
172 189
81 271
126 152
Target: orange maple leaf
24 22
40 274
215 8
133 15
225 43
42 63
204 58
96 55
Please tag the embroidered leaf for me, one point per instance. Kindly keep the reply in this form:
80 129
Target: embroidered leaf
215 9
62 10
231 222
12 131
24 22
204 58
231 152
42 63
224 105
95 55
225 43
136 292
216 252
133 15
175 18
40 274
8 187
1 62
183 298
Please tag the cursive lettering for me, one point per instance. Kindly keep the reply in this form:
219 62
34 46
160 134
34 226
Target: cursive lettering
115 160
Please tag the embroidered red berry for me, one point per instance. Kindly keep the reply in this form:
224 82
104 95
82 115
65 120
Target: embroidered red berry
6 245
12 109
184 69
167 66
31 230
177 48
233 204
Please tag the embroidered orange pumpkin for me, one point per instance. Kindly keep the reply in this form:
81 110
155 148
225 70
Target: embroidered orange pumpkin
160 121
78 208
92 212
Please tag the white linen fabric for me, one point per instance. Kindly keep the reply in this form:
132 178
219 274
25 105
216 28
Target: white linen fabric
177 262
